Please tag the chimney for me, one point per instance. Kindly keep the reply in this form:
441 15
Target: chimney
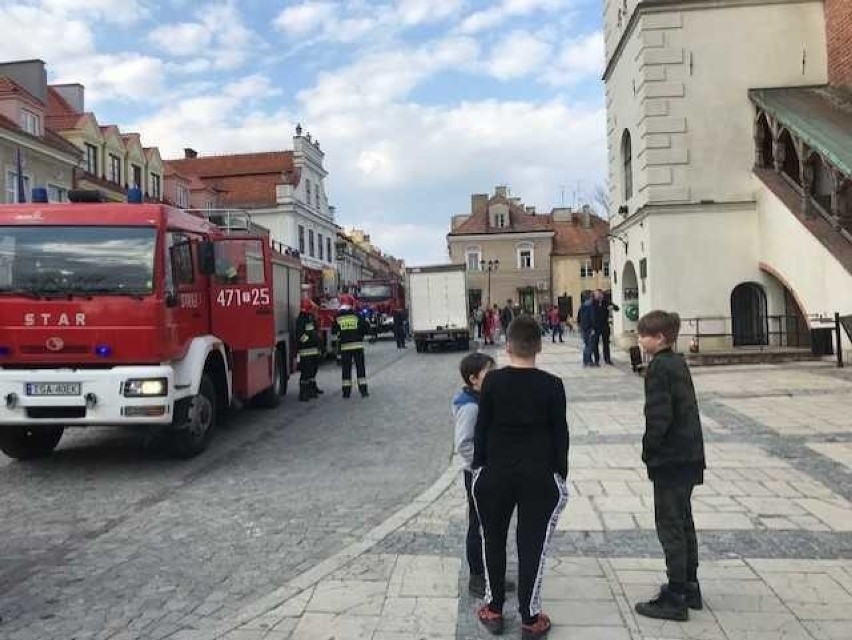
73 94
190 153
478 203
838 37
563 214
586 216
501 191
29 74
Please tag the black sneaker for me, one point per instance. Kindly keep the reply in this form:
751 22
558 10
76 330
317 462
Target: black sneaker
693 596
668 605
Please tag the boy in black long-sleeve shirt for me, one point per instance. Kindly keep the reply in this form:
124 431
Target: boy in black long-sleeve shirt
520 460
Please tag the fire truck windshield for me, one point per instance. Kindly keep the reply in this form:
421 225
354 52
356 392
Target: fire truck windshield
371 292
51 260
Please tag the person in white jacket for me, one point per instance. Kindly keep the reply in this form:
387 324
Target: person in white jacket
465 408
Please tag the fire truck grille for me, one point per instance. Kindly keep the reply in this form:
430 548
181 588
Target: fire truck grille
40 350
52 413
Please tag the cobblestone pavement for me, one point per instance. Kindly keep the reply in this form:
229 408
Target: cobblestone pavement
774 519
111 540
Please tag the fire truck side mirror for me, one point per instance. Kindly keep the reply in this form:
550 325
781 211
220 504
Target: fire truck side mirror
207 258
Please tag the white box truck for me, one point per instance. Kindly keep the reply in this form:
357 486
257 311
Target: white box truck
437 306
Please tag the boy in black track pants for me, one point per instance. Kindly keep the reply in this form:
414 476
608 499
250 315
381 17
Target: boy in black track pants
520 461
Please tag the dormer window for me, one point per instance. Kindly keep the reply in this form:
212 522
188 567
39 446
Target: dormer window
30 122
500 220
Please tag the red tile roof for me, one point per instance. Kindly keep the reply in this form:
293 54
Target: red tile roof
7 85
57 105
572 238
50 138
519 221
246 180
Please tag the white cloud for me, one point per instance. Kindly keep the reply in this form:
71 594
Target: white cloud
519 54
254 86
380 78
30 32
414 12
579 59
127 13
303 18
494 16
122 76
349 22
218 38
182 39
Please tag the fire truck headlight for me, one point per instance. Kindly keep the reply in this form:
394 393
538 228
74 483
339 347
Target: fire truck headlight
145 387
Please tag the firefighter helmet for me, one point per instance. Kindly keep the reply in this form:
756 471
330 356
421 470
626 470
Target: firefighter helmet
347 301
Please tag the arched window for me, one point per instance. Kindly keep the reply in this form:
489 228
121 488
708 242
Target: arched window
822 186
473 255
526 255
764 143
627 164
790 167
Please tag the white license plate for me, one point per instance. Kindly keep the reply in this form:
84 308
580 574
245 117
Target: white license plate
53 388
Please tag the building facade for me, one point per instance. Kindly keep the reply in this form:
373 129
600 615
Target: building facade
111 161
517 244
283 190
704 221
580 260
27 146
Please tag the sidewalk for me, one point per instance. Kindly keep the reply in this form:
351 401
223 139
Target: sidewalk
776 498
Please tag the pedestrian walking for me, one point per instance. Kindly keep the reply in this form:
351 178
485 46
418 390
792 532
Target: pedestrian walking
555 320
478 320
350 329
602 309
399 328
308 351
673 451
489 327
506 317
586 321
520 462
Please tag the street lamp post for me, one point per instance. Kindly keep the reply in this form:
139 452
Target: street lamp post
488 267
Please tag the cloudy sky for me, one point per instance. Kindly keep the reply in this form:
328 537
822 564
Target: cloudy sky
417 103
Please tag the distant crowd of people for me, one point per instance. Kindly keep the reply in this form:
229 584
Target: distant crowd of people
593 320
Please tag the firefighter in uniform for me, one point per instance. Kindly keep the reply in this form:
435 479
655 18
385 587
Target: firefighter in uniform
350 330
306 334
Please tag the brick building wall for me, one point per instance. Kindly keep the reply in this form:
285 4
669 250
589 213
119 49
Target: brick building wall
838 23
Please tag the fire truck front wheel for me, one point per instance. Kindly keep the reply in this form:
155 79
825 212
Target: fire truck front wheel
25 443
192 436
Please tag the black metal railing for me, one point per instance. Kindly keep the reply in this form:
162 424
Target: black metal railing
761 333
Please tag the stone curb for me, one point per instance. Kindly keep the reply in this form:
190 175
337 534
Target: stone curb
328 566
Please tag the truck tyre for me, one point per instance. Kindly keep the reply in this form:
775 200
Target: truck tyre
271 397
26 443
420 346
192 437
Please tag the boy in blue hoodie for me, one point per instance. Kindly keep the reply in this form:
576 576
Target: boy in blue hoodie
473 368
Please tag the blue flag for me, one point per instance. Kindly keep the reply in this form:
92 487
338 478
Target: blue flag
22 194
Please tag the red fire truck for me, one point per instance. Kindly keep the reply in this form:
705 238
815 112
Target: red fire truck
383 296
137 314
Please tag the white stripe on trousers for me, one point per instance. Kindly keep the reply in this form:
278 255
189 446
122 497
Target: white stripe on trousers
562 489
476 474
